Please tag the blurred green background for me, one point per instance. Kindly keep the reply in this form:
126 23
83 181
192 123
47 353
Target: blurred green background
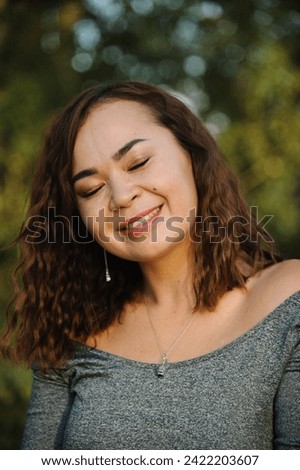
235 62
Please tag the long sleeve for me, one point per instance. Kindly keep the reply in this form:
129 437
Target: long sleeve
287 405
48 410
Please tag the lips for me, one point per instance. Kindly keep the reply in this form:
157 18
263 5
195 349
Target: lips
141 220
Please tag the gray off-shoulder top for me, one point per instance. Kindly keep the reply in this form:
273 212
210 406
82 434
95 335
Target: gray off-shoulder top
245 395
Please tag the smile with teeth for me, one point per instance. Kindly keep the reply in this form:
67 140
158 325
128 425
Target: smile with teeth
143 220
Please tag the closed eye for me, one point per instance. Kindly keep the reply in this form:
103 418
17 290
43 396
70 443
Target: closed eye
87 194
139 165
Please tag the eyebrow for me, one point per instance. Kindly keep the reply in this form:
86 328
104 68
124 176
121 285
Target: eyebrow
116 156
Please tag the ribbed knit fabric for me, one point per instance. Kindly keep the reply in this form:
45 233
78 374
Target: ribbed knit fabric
245 395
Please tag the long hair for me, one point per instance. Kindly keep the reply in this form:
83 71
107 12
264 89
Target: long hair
63 294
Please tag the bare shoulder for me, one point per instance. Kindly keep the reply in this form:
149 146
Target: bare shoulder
273 285
284 276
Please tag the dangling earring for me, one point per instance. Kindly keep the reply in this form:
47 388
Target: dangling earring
107 275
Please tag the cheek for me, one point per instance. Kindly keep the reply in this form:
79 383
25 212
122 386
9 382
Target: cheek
90 218
87 221
85 215
194 194
190 186
89 211
184 185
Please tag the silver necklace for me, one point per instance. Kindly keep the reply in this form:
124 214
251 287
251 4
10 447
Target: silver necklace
161 369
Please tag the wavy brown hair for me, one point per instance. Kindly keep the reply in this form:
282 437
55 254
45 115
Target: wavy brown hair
63 294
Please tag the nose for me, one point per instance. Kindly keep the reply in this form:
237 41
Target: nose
123 192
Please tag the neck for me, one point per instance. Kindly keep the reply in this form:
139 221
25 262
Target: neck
169 283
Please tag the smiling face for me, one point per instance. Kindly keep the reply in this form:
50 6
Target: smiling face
134 183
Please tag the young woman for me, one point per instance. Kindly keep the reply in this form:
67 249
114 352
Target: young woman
153 310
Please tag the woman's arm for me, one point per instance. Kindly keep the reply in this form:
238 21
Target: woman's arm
48 411
287 406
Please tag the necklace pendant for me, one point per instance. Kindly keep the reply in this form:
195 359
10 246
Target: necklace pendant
162 366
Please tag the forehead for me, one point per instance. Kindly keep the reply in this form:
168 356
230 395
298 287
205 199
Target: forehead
110 125
118 112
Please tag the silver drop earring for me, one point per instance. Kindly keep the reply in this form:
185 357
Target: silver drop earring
107 275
